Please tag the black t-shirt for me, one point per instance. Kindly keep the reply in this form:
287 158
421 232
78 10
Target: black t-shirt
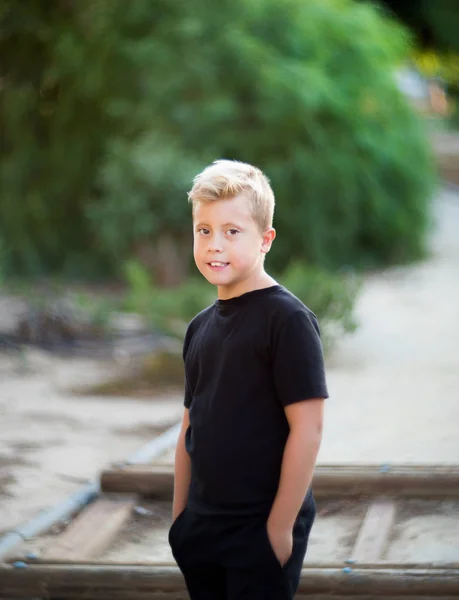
246 358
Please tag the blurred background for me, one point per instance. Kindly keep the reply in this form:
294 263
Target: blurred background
110 108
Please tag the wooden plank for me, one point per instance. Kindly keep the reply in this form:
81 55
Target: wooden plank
374 532
92 530
400 480
329 480
152 482
122 583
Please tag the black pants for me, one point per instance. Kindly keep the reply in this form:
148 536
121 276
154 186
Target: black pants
231 558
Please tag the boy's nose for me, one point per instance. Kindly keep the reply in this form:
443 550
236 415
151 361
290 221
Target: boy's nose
213 248
214 245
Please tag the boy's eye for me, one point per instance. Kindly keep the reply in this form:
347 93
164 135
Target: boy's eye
203 231
232 231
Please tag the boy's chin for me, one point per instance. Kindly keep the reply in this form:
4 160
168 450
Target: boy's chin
215 278
217 281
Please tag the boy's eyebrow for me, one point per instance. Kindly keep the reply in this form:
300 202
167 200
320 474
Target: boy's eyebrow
200 224
231 225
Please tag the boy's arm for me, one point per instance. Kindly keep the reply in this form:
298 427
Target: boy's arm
306 422
182 474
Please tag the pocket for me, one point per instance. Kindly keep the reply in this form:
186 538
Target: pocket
271 549
175 523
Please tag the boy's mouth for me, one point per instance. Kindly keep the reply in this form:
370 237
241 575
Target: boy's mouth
216 264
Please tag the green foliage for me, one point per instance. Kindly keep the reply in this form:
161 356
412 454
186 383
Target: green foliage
56 82
330 296
95 310
110 107
167 309
144 183
140 288
347 165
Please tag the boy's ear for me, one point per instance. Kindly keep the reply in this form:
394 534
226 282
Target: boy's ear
268 238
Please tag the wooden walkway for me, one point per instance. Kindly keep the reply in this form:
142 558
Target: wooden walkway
73 563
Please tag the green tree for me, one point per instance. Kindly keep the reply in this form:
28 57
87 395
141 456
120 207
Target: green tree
305 91
110 108
57 63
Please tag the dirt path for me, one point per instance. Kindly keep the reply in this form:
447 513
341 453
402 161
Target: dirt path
394 388
394 384
53 442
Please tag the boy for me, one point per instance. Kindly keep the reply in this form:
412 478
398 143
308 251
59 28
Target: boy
254 394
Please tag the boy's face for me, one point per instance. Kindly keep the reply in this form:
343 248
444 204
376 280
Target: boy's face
229 246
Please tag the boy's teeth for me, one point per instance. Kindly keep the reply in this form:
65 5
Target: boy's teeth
217 264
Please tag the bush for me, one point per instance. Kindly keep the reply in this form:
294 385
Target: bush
309 95
110 109
166 309
331 297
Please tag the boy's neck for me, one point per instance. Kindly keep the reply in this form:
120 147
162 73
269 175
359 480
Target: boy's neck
262 281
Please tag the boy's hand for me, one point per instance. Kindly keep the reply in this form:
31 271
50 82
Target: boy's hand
281 540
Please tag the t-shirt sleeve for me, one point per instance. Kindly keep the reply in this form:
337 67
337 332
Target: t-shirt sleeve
298 362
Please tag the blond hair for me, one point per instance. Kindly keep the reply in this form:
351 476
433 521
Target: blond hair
225 179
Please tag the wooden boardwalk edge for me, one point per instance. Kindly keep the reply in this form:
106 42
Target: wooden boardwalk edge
123 583
435 480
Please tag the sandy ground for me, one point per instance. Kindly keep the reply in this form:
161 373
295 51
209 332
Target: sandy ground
423 531
394 384
394 388
52 442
